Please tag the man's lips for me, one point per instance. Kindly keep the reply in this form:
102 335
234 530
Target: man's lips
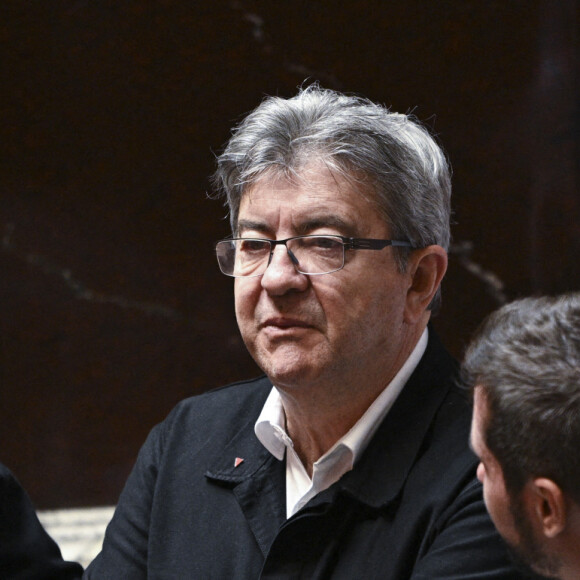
283 322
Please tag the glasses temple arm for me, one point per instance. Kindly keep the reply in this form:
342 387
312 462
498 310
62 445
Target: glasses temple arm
371 244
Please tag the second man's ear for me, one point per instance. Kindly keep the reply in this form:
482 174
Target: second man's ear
548 505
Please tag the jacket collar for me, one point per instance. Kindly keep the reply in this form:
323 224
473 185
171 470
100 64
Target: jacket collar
383 468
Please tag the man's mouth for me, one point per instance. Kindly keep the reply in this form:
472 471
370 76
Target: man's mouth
283 322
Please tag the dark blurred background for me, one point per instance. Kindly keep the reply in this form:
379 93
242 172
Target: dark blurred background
112 308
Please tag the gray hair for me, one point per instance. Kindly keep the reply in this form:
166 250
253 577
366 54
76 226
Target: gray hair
526 359
386 153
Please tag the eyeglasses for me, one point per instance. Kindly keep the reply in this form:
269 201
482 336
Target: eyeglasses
311 255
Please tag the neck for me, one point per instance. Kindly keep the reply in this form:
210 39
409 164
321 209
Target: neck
314 429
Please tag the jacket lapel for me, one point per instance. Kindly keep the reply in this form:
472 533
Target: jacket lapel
257 480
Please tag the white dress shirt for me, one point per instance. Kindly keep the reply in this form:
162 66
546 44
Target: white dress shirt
340 458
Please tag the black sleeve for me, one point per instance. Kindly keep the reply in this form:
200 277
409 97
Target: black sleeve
26 550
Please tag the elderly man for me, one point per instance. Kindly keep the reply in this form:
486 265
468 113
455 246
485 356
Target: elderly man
525 365
349 458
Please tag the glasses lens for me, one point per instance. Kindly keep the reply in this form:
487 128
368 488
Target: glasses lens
317 254
310 255
226 253
245 257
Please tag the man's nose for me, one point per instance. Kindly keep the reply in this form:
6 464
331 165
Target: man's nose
281 274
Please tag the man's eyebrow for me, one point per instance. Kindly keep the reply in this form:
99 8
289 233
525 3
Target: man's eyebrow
326 221
245 224
303 227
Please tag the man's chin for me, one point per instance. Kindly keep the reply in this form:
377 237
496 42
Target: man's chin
284 377
289 362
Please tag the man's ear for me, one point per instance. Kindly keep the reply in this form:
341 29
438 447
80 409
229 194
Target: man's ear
425 268
547 504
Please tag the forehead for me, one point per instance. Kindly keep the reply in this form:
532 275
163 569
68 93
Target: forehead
315 194
480 413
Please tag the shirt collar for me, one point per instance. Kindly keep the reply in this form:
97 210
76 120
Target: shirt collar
270 428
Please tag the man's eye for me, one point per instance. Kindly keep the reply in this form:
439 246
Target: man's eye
329 243
321 243
253 246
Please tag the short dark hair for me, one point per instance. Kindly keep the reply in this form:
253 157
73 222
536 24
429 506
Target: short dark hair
387 153
526 359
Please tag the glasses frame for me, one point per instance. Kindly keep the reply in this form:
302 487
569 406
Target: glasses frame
347 243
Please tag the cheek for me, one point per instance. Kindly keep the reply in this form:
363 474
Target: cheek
491 503
497 504
379 314
347 313
245 296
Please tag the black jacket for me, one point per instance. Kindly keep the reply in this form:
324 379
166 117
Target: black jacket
410 509
27 552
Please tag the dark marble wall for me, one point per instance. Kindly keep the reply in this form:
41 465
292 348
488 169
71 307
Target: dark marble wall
111 306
